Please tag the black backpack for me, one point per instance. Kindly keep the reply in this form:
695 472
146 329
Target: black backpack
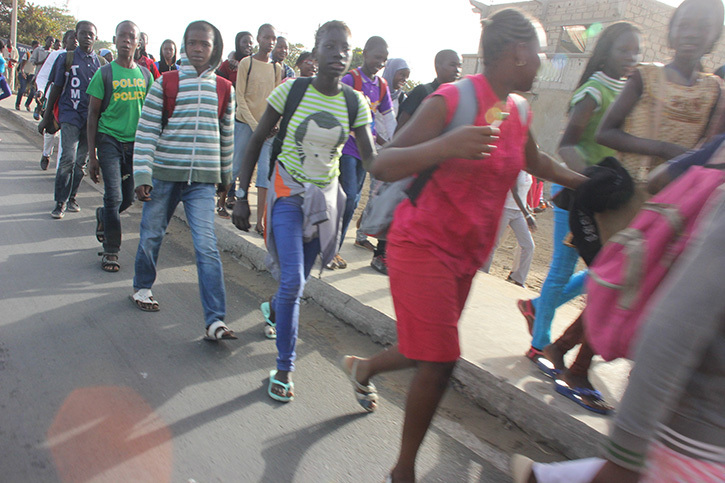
296 93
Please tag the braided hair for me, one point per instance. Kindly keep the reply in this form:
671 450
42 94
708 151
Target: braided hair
603 49
505 27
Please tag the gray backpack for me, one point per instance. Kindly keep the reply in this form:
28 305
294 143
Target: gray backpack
378 214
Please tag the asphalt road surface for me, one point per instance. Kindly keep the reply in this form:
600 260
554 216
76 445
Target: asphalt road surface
92 389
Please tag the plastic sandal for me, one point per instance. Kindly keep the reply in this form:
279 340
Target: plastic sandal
270 329
144 300
288 388
218 331
367 396
527 310
576 394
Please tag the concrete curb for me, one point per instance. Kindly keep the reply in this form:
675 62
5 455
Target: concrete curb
549 425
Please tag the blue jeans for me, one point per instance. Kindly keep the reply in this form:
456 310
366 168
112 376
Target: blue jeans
71 162
116 160
4 88
561 284
242 133
26 84
296 258
199 205
352 179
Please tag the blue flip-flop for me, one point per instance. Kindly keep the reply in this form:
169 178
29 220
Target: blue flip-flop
270 330
288 388
576 394
547 367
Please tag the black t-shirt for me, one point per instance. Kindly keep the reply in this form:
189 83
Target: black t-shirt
416 96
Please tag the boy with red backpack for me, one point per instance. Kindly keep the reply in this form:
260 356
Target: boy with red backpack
180 155
375 89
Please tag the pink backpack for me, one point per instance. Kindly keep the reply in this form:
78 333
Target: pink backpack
634 262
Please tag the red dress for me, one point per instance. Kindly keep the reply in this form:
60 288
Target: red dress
436 246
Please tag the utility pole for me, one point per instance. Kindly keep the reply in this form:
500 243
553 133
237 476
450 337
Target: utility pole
14 25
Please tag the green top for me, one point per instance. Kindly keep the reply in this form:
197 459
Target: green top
603 90
124 110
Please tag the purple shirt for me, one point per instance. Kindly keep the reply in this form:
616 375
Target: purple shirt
371 91
73 102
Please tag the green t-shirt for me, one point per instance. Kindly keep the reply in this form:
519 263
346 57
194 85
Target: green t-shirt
316 133
121 117
603 90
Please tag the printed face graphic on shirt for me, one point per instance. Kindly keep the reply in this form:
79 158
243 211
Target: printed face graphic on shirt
317 138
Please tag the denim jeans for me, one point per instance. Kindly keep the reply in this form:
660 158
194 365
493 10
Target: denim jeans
26 84
5 91
561 284
71 162
116 160
242 133
352 179
199 205
296 258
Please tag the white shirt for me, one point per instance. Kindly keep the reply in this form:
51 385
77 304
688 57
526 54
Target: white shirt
41 80
523 184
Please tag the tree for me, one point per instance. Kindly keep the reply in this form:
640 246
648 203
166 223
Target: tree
35 22
357 58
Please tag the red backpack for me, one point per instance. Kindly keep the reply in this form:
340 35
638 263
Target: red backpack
631 266
357 83
170 85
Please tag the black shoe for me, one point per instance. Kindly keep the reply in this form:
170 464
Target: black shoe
44 162
73 206
379 264
59 211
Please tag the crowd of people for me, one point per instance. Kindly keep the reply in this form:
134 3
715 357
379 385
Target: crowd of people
194 127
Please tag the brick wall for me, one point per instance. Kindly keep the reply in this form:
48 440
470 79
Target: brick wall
561 71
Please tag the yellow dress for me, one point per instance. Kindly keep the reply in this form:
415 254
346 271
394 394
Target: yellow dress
668 112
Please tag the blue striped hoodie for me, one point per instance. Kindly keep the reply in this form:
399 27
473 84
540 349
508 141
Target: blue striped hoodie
195 146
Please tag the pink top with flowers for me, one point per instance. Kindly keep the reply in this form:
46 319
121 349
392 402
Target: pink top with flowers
458 211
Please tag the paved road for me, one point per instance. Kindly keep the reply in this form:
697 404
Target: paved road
93 389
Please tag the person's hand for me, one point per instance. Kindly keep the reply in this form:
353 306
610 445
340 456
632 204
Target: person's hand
143 192
241 214
94 169
471 142
531 221
670 150
612 472
273 132
42 125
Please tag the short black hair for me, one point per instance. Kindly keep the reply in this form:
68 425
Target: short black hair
2 44
265 26
328 26
128 22
505 27
303 57
375 41
68 34
716 9
443 54
35 43
52 39
217 48
86 22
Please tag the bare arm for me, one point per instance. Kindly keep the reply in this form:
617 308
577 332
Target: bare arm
610 131
365 145
529 219
579 118
420 145
94 113
544 166
403 118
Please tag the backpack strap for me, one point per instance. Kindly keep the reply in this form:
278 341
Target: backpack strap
294 97
356 79
465 115
170 87
69 57
351 103
224 94
148 77
249 71
383 88
522 105
107 79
